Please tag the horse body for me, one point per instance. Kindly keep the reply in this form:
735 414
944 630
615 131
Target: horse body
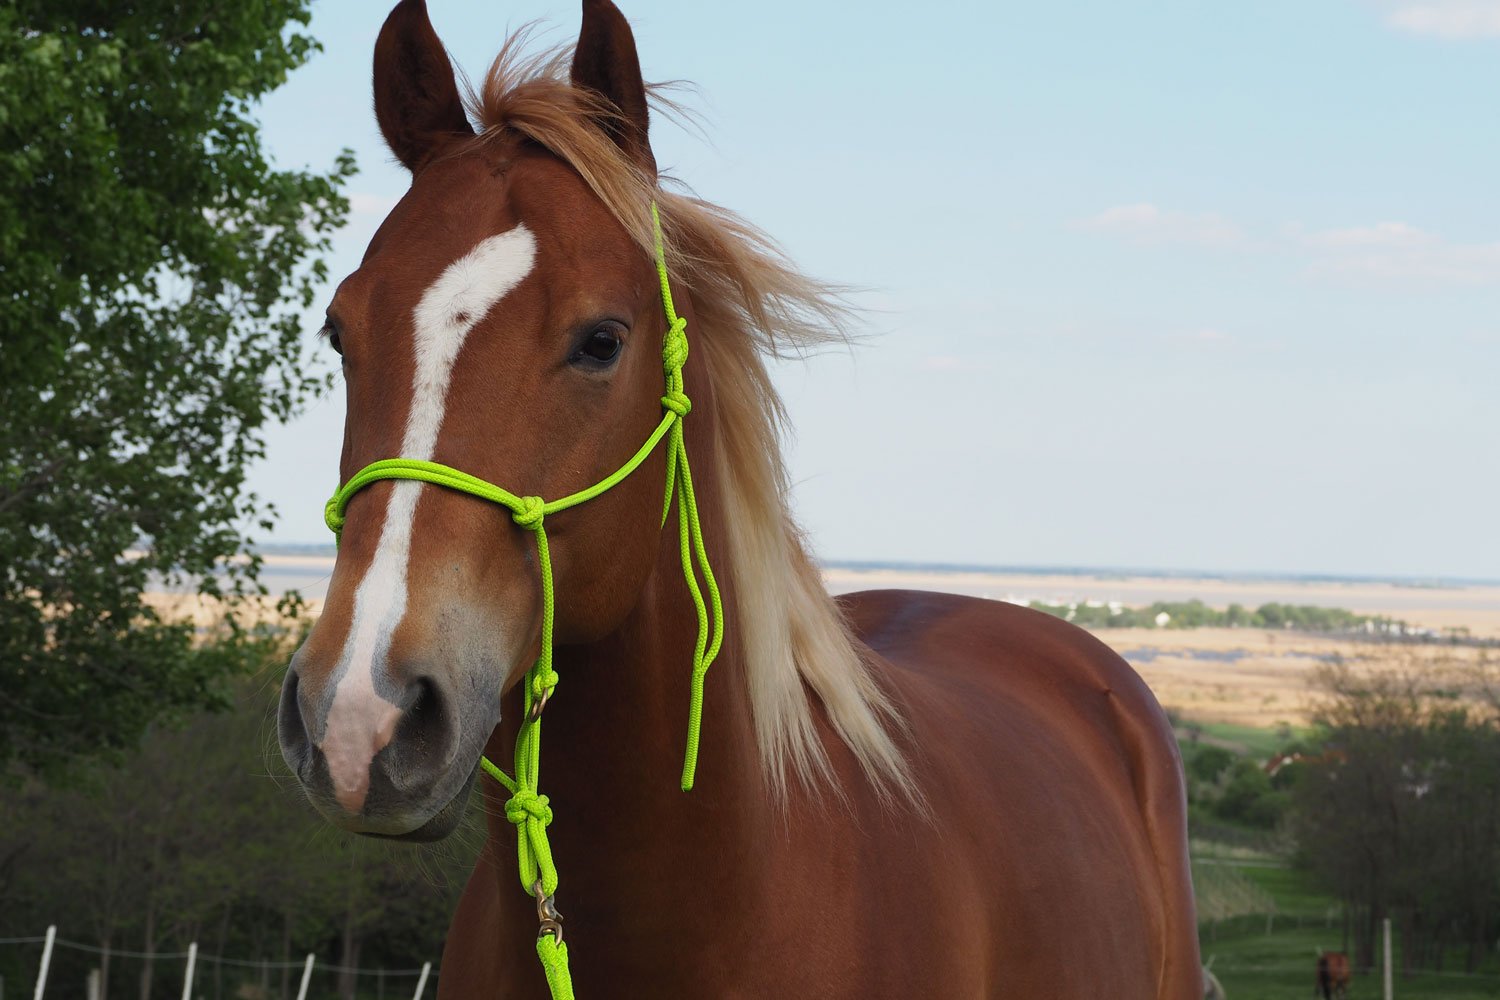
902 794
1334 975
1048 846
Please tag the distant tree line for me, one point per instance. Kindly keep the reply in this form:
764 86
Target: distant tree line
1196 614
1397 812
201 835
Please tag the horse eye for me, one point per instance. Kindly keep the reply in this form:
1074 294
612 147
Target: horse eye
601 347
332 333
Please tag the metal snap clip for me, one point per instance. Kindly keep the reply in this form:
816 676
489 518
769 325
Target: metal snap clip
546 914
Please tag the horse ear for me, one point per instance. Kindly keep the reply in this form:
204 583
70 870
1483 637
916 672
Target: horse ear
416 98
605 62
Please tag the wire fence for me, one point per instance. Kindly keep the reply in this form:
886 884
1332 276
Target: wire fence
47 965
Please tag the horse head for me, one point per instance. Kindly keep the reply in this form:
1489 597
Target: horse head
507 321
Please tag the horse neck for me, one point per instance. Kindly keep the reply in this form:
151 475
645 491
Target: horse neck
614 736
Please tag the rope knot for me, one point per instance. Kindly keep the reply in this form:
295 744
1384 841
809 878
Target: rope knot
677 401
529 515
526 804
542 683
333 516
674 346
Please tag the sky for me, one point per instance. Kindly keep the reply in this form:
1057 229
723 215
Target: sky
1166 285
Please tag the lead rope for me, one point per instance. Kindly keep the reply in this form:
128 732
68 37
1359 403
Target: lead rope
527 808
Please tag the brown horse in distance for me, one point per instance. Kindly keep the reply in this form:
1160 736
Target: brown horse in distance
1334 975
899 794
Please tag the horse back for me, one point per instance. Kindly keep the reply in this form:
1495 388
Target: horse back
1049 772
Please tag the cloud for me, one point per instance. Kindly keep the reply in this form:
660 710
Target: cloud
1389 252
1395 251
1146 225
1383 235
1452 19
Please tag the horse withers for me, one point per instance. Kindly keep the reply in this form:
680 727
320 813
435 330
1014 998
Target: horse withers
896 794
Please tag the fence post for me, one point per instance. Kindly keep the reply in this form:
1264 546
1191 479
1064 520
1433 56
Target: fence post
92 985
187 978
306 975
1386 931
41 976
422 981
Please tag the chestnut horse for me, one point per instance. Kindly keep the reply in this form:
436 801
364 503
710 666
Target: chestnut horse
898 794
1334 975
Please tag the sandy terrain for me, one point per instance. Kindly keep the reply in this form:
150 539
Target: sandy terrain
1253 677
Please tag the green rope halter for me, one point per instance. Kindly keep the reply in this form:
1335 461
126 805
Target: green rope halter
527 808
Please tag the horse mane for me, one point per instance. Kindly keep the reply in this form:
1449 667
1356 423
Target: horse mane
750 304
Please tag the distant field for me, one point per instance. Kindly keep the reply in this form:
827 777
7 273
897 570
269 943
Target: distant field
1254 679
1475 606
1437 605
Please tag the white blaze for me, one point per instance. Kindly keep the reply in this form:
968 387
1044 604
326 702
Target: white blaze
360 722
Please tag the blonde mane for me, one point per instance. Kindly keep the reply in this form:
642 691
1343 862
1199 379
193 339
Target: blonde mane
750 305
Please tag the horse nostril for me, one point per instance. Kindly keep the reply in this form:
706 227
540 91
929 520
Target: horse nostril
291 728
426 735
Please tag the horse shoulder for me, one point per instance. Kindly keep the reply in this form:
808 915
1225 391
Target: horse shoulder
1035 732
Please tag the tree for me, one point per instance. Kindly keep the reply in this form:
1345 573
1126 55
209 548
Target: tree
200 834
152 268
1399 814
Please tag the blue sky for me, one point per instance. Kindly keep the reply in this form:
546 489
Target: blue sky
1164 284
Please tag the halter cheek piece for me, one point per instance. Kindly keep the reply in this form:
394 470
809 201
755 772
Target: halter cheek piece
526 808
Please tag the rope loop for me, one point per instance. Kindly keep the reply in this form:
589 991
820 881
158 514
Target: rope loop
677 401
528 515
527 804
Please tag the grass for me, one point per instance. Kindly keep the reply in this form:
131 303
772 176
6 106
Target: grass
1253 965
1258 743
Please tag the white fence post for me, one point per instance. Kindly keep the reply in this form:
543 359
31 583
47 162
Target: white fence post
93 985
422 981
41 976
306 976
1386 929
187 978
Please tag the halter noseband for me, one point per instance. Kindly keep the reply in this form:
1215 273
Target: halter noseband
527 808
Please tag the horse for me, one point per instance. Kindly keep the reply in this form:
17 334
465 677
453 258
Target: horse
893 793
1334 975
